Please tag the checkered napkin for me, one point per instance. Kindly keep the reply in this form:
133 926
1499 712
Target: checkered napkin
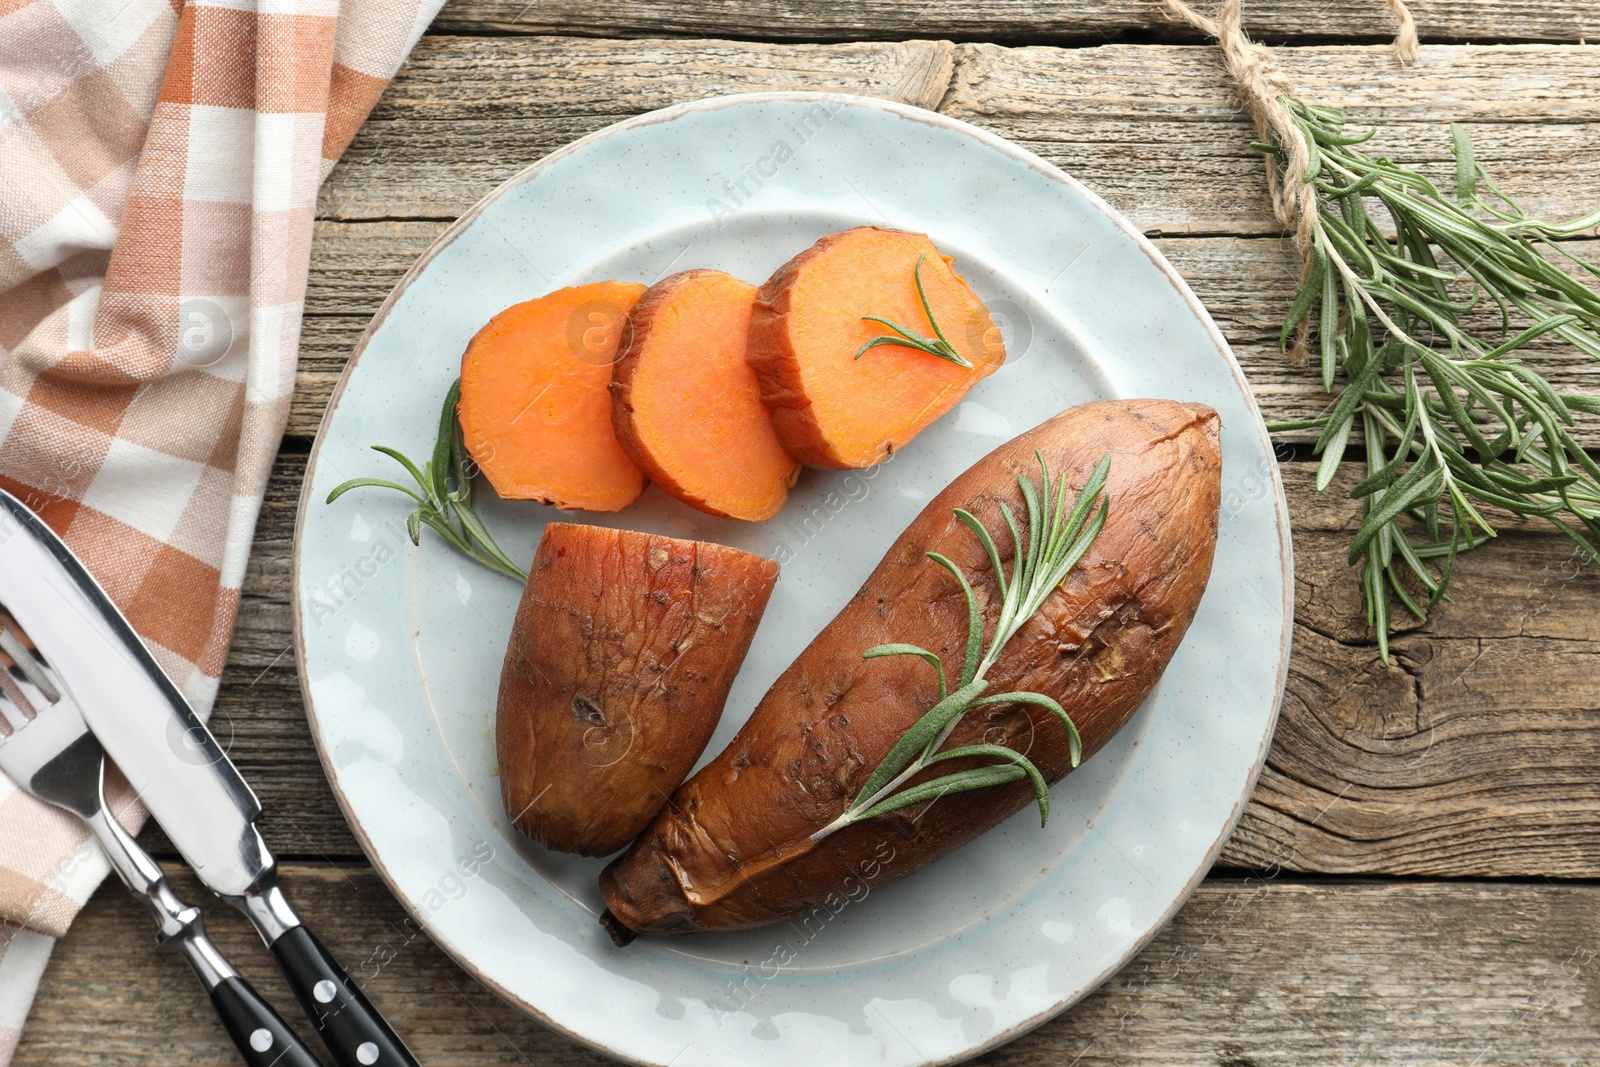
159 165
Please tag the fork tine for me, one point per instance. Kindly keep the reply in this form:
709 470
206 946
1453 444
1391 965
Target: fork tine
15 644
15 707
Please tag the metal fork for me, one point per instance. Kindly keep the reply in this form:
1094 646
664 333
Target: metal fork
48 750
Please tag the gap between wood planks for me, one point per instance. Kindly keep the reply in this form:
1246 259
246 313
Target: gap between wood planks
1014 22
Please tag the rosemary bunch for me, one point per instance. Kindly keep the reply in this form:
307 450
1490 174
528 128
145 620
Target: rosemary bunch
444 494
1056 540
1451 420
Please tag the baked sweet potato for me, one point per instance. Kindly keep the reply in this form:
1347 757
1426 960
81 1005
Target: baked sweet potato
835 405
687 407
620 659
734 847
535 407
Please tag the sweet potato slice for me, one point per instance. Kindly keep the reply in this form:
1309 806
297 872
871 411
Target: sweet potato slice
686 405
733 848
832 409
620 659
535 412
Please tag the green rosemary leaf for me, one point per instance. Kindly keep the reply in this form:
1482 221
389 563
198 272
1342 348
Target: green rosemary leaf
1328 327
1074 741
1041 789
1466 169
1028 560
1399 591
1313 160
1311 288
970 521
422 481
442 508
439 467
436 522
1418 482
1377 601
1348 403
937 345
375 483
969 662
921 734
1406 552
910 650
922 295
1538 329
1296 424
1333 451
483 547
959 782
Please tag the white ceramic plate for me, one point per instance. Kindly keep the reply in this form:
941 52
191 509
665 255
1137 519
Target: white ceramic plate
400 648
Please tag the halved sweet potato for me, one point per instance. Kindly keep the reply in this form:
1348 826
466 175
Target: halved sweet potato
620 659
832 408
535 412
686 404
734 847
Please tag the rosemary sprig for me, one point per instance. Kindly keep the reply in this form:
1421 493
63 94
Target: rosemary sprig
1450 420
1055 541
443 494
937 345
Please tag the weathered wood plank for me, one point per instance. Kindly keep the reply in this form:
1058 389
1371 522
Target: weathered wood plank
1155 129
1246 283
1035 21
466 113
1473 754
1475 743
1252 971
1159 132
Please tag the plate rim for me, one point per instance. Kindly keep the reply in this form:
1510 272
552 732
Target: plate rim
905 111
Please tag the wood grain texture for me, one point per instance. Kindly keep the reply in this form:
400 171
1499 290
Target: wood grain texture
1159 133
1036 21
1259 971
1154 129
466 113
1245 283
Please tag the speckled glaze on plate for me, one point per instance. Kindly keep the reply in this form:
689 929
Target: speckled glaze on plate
399 648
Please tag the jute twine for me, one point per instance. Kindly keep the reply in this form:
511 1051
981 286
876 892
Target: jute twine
1262 86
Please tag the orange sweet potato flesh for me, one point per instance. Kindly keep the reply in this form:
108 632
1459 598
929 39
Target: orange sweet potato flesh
831 409
732 849
620 659
686 405
535 411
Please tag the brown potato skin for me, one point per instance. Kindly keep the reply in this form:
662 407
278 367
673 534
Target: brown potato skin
621 656
732 849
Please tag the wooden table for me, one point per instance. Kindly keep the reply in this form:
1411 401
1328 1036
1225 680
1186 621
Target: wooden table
1415 880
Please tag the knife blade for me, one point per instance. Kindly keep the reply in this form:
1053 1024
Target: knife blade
178 770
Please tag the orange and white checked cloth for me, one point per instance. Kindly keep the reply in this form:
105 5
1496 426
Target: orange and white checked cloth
159 165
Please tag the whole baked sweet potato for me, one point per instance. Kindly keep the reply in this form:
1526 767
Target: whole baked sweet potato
624 647
733 849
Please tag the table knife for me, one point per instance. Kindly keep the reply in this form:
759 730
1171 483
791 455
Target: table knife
179 771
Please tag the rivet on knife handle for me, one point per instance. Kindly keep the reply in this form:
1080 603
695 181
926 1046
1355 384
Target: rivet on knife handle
259 1032
346 1021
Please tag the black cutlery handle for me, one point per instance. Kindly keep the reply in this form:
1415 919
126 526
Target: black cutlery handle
263 1038
346 1021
